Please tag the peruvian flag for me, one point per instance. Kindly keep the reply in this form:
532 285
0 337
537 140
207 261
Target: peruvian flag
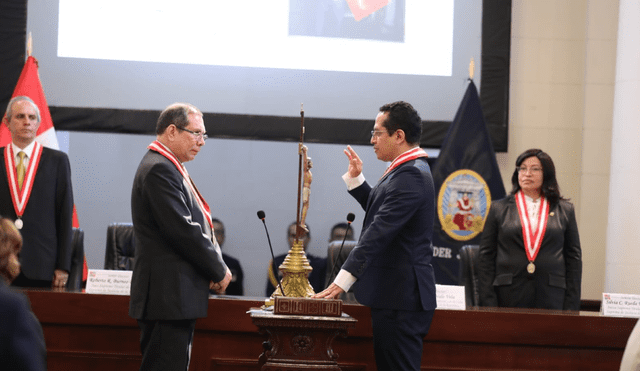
363 8
29 85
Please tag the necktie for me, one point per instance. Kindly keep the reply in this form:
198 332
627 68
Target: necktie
20 169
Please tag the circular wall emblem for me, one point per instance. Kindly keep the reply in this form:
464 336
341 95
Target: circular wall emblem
463 204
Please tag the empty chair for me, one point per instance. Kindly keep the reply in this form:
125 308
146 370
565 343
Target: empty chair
120 250
74 283
469 261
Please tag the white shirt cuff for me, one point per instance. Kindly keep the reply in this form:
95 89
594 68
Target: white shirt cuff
345 280
353 182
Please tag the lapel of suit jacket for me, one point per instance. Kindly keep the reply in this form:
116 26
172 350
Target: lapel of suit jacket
192 193
163 150
372 194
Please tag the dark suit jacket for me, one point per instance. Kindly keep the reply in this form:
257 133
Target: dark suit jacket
47 230
22 345
175 260
316 277
503 277
392 260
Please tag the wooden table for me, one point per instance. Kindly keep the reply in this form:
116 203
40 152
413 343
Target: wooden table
94 332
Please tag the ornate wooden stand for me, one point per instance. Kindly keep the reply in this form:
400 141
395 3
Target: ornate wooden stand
299 342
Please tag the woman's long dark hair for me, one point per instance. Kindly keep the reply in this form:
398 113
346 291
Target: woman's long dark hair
550 188
10 244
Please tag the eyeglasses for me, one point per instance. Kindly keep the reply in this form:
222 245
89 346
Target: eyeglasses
377 133
198 136
532 170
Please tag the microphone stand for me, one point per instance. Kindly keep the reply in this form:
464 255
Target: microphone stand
273 258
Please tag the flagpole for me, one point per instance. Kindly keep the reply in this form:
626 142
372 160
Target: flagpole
29 45
472 66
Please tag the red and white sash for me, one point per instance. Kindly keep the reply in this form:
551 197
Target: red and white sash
532 239
20 196
407 156
166 152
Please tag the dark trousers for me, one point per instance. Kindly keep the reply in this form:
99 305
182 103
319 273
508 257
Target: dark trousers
23 281
397 338
166 345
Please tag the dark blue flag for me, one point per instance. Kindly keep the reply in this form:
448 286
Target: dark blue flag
467 180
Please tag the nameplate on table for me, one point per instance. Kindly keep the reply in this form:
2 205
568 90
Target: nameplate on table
620 305
104 281
450 297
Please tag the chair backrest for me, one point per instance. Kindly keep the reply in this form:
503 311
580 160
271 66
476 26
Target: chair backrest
337 257
469 274
74 283
120 249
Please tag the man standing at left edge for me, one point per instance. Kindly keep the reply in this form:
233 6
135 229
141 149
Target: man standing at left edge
36 193
177 258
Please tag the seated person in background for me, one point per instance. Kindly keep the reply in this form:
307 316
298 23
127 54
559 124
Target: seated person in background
339 230
538 265
319 265
22 345
236 286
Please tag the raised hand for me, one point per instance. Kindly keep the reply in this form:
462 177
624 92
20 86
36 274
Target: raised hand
355 163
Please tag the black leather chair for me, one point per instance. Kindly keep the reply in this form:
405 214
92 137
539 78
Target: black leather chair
120 250
469 260
75 283
332 253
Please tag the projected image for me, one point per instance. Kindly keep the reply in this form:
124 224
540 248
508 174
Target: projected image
382 20
319 35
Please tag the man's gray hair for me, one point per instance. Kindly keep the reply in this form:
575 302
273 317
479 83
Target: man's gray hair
21 98
176 114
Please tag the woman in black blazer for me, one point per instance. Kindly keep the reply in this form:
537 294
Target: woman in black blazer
530 254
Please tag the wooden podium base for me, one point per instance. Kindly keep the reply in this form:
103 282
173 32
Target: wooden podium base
299 342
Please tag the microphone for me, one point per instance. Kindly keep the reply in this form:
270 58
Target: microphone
261 216
350 218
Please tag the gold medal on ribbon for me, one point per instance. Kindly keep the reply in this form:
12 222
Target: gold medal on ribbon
532 239
20 194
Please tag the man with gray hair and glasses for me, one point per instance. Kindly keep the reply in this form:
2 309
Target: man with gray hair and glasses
177 258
